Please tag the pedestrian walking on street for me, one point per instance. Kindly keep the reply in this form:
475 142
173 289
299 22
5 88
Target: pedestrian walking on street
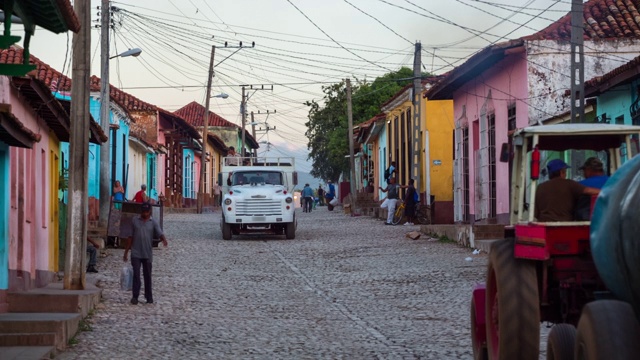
320 195
390 202
143 230
307 195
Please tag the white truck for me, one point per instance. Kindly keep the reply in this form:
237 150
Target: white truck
257 196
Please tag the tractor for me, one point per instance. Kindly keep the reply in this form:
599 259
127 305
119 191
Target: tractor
580 277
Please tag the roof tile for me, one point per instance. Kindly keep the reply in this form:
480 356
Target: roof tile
194 114
603 19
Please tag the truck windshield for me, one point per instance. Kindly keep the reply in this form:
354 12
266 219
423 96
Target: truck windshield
257 177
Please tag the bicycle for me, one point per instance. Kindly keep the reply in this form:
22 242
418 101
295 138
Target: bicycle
422 215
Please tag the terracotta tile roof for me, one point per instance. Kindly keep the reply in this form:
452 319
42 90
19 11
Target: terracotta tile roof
603 19
617 76
194 112
127 101
45 73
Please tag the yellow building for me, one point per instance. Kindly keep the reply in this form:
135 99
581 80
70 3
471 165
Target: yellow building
436 144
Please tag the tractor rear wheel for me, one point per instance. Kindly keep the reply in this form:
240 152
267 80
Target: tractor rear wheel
607 329
512 305
561 342
479 348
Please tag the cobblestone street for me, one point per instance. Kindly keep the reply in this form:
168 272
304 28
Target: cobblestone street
346 287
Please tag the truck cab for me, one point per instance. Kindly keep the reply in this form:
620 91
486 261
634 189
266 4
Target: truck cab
257 196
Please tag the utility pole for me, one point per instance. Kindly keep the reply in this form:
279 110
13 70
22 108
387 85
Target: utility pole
105 171
243 109
205 129
416 147
352 183
266 130
74 267
577 62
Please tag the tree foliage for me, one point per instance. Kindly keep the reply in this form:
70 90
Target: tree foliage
327 128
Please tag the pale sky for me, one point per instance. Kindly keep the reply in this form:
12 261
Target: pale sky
351 38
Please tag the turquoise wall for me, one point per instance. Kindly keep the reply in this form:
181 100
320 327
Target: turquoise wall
120 140
4 216
615 104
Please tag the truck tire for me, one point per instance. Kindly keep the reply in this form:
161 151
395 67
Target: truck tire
290 230
479 349
226 231
561 342
608 329
512 305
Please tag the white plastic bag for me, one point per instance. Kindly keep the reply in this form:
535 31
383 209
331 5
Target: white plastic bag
126 278
334 202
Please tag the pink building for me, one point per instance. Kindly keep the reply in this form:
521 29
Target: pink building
520 83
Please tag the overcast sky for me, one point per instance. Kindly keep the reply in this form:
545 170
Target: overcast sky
299 46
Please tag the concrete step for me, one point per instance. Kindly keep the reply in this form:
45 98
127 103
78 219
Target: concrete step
38 329
28 339
26 352
54 299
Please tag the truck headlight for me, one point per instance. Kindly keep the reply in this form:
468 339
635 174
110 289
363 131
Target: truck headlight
227 201
289 200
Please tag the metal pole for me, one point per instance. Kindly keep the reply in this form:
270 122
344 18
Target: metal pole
244 120
577 62
352 183
105 172
205 129
74 267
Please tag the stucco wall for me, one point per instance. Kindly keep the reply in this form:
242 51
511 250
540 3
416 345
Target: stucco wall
549 75
137 169
496 88
438 121
29 250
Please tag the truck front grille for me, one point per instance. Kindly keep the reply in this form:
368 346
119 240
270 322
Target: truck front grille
258 207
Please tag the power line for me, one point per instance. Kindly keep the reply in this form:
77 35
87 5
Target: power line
332 39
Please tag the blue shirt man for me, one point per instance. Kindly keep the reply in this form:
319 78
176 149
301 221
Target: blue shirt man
307 194
593 170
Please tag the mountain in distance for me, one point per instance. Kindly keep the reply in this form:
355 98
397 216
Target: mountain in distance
306 178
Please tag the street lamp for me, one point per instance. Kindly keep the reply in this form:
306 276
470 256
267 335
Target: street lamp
131 52
222 96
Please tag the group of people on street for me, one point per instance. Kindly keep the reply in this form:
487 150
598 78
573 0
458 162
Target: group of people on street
411 197
308 200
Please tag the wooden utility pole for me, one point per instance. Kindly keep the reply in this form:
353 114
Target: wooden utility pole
205 129
352 161
105 171
243 109
577 62
74 267
416 133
